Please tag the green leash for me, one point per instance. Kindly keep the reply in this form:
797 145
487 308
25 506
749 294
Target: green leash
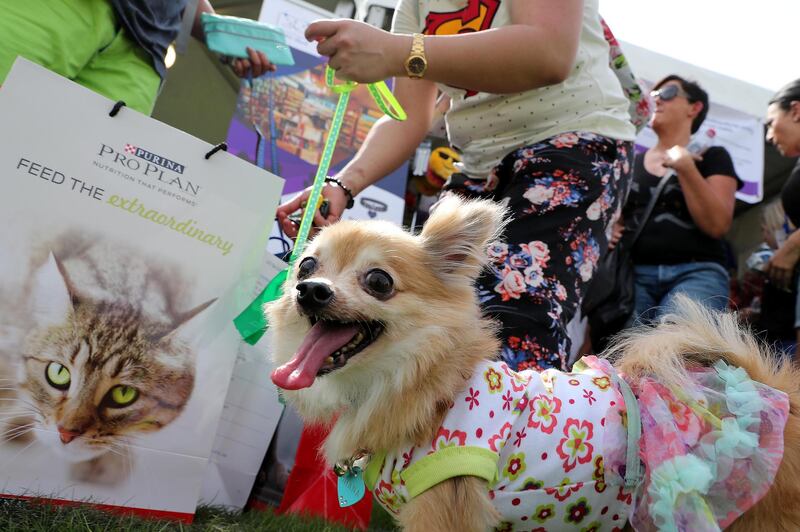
252 323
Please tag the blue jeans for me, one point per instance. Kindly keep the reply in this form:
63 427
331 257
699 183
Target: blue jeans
657 286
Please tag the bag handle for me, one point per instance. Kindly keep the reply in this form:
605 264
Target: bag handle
651 205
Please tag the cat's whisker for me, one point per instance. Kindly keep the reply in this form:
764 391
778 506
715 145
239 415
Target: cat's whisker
7 435
15 433
14 415
13 458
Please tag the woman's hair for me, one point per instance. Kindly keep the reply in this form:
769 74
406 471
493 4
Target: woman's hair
787 94
696 94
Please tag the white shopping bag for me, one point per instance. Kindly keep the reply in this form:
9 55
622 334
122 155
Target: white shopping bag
125 254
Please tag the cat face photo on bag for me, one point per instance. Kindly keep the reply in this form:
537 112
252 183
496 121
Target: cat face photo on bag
98 359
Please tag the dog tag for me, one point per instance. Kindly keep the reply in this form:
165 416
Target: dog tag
350 487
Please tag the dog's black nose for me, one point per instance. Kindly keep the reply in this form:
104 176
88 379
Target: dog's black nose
313 296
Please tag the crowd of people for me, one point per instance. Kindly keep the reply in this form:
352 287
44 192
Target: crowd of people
543 118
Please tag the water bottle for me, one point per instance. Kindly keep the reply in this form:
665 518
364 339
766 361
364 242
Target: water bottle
758 260
702 141
697 145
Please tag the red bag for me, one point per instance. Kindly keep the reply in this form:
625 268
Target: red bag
311 488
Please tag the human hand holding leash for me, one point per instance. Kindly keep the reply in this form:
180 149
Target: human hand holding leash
359 52
337 202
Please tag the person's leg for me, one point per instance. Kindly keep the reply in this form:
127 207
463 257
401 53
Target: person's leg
562 194
704 282
61 36
647 294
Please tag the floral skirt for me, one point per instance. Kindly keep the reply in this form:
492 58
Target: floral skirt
563 194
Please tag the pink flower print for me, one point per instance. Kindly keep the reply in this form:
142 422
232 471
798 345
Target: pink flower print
563 491
518 381
507 400
595 210
491 182
520 437
598 475
407 457
586 270
543 410
497 441
534 276
504 526
575 447
511 286
686 421
494 380
526 153
472 398
444 438
521 404
514 466
681 413
544 512
565 140
531 483
519 260
539 252
594 526
538 194
561 292
497 252
589 395
624 495
388 498
574 382
603 383
578 511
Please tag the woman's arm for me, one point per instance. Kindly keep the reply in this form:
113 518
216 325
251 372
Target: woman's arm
710 200
537 49
780 268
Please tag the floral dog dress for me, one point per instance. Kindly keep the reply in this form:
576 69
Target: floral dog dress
553 447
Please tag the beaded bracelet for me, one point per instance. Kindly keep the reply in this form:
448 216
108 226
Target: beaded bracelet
338 182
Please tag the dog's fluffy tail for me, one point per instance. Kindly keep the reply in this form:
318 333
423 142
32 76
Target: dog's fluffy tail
694 336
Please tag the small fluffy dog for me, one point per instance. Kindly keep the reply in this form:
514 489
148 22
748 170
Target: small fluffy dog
379 335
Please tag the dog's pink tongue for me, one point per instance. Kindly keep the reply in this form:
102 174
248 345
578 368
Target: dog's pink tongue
320 342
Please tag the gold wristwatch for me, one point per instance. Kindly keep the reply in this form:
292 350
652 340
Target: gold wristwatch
416 63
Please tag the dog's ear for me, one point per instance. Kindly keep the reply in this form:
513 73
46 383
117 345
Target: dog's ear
456 235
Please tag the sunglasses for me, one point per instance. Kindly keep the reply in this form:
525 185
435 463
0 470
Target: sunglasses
669 93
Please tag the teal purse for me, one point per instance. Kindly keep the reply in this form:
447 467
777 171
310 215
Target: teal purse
231 36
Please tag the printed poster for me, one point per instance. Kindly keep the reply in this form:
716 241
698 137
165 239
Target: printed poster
293 110
126 256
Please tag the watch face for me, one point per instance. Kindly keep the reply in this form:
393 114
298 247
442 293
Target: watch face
416 65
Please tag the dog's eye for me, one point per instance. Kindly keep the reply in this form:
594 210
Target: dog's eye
307 266
379 283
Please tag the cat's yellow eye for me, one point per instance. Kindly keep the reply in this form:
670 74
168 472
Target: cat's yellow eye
58 376
121 396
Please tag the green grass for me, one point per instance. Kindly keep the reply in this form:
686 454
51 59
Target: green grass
33 516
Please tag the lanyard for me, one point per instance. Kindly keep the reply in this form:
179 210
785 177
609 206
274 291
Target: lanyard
252 323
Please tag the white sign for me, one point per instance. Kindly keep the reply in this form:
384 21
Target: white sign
126 254
293 16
